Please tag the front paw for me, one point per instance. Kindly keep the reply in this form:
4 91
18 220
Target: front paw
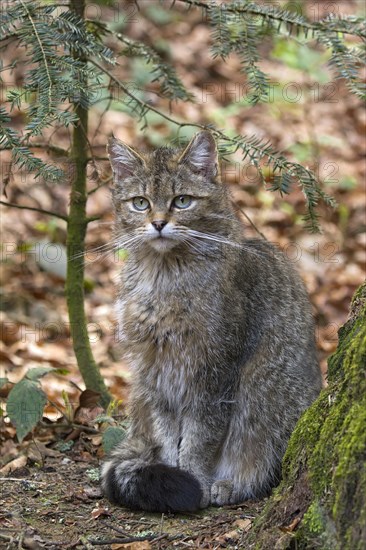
221 492
206 496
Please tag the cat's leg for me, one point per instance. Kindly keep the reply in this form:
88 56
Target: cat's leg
200 445
254 445
142 471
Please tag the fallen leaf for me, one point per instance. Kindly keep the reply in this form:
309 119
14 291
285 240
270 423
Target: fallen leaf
292 526
13 465
87 415
9 450
96 440
89 399
139 545
231 535
244 524
99 511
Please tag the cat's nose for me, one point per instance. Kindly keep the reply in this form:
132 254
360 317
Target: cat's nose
159 224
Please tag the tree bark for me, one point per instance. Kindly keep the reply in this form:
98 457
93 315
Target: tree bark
76 229
321 502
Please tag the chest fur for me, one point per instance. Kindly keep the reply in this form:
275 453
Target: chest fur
165 325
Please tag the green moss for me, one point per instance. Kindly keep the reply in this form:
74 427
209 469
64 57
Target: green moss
304 438
316 529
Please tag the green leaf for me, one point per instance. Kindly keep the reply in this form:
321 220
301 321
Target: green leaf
38 372
93 474
103 418
25 406
64 446
111 437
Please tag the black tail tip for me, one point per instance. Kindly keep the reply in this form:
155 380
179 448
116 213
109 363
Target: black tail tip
153 488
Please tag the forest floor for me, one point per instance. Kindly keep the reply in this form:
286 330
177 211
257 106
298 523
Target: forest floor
50 496
57 506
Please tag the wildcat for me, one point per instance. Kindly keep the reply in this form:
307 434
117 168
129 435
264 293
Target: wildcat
218 332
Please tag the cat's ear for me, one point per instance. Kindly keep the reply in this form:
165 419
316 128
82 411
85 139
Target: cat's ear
124 160
201 154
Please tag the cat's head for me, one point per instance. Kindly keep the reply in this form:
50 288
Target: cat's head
170 197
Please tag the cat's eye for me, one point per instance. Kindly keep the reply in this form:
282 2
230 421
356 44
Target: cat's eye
140 203
182 201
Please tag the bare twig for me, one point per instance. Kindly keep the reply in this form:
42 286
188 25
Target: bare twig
40 210
49 147
99 186
252 224
127 540
22 479
143 104
117 529
70 425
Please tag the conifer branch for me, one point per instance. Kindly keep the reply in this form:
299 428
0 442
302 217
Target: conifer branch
144 107
287 172
348 25
46 114
57 76
42 50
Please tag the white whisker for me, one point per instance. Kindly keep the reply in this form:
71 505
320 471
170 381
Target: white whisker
212 237
222 240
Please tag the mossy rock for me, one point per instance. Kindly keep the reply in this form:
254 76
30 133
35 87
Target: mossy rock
321 501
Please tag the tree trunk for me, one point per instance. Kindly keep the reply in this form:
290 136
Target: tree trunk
321 502
76 228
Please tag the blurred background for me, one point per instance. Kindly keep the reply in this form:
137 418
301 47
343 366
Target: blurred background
310 117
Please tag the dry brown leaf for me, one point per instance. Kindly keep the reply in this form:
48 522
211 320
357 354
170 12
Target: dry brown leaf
230 535
96 440
99 511
292 526
13 465
244 524
88 408
6 355
89 399
139 545
37 451
87 415
9 449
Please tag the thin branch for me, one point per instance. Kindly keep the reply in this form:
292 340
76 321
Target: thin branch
279 162
92 159
22 479
253 10
258 10
99 186
126 540
145 106
40 210
82 427
92 219
252 224
106 108
48 147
